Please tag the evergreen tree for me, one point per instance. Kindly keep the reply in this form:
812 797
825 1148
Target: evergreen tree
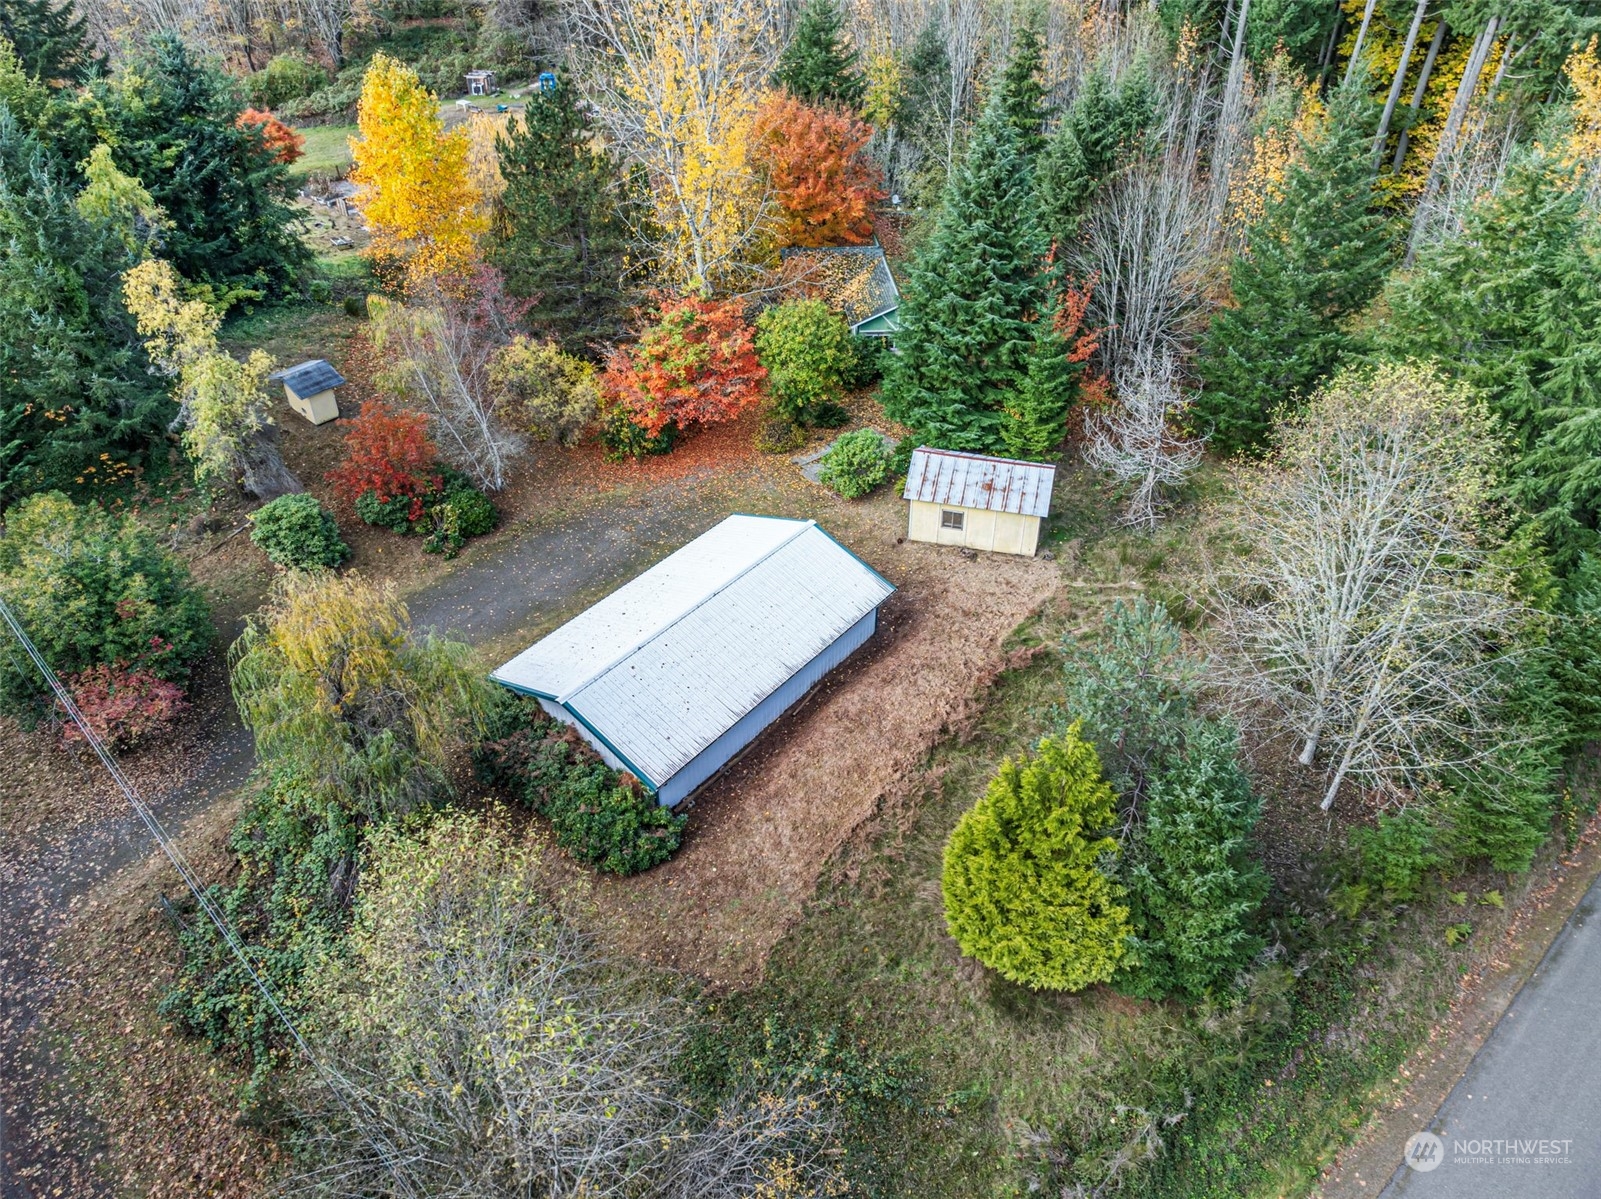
1318 254
74 380
971 299
170 120
1194 887
52 42
1100 128
1022 90
1512 305
1024 883
1036 418
559 235
818 65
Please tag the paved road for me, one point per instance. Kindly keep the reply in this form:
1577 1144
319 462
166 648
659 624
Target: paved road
1537 1079
527 583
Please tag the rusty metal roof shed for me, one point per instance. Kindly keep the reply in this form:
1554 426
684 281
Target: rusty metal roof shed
975 481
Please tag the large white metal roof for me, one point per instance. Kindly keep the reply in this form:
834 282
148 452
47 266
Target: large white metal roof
670 661
975 481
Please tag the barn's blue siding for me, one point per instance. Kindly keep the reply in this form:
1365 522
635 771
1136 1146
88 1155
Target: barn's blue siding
718 754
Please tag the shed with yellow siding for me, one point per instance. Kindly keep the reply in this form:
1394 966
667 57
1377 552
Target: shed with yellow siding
977 502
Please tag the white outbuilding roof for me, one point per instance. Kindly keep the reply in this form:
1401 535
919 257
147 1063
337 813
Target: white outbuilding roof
667 663
975 481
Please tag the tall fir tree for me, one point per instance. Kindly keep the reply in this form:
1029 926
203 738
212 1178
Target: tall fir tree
1512 305
1036 416
973 293
74 380
1193 886
1022 88
171 122
51 41
1101 126
560 236
819 65
1318 255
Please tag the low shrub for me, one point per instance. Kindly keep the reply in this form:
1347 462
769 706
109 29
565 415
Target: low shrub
298 850
298 533
869 357
122 704
856 463
460 512
624 439
387 452
780 436
285 77
554 394
601 816
393 514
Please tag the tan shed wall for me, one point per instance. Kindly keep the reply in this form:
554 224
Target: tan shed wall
319 409
997 532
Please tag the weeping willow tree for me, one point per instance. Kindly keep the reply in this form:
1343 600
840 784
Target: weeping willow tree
334 683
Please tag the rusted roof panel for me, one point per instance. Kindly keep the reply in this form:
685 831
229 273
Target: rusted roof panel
975 481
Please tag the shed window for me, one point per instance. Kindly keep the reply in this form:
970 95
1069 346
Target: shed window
951 520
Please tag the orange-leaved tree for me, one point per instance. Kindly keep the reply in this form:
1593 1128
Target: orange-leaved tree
286 145
388 452
815 161
696 365
416 192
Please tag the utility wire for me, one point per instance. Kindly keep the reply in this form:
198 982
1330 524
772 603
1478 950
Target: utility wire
380 1145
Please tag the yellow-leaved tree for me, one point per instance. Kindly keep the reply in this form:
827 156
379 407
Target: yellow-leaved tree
1583 70
416 191
678 87
223 407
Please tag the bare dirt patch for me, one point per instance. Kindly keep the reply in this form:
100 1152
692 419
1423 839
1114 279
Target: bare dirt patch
760 834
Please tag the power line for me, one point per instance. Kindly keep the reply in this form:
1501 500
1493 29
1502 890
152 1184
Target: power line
385 1151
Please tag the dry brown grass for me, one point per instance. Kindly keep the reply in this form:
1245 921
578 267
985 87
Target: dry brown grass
760 834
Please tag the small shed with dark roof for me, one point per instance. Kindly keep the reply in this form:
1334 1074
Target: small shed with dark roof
855 281
978 502
309 388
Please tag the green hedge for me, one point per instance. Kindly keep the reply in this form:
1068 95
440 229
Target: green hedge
601 816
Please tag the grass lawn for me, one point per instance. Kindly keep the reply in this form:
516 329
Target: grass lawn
994 1090
327 150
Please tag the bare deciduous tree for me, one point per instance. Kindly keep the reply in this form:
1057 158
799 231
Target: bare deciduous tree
1365 612
492 1052
1135 439
1149 245
440 351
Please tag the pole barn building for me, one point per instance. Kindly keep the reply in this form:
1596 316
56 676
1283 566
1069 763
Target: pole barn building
675 672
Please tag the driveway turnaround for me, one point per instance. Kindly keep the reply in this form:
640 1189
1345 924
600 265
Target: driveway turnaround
1524 1122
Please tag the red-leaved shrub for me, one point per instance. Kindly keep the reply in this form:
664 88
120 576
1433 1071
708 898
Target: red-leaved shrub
696 365
122 704
388 452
